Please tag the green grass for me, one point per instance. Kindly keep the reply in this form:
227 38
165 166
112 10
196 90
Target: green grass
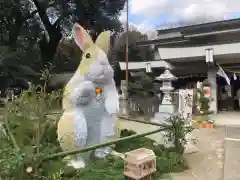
112 168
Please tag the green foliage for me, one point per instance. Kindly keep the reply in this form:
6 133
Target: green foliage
30 134
135 53
134 143
34 132
33 27
31 39
142 85
168 159
142 81
110 169
18 67
203 101
177 132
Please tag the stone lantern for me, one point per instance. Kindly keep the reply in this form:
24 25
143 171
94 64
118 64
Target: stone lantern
166 108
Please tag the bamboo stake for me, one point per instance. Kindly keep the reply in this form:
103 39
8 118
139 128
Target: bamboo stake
13 139
6 125
66 153
144 122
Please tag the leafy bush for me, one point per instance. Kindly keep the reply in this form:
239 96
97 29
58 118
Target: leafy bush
32 135
177 132
15 162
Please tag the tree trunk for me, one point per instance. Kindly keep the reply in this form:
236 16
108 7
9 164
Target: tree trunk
49 48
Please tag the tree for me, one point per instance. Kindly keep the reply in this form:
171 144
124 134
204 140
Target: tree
15 68
46 22
135 53
38 26
142 85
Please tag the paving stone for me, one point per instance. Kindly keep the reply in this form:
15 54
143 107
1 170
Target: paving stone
232 155
233 132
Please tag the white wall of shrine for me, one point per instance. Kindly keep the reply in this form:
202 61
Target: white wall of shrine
197 51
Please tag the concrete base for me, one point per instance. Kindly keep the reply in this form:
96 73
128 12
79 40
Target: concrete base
160 118
165 111
123 110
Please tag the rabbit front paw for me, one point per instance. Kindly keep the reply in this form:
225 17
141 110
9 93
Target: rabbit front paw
83 100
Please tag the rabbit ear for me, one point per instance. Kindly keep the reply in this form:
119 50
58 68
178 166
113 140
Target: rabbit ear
103 41
81 37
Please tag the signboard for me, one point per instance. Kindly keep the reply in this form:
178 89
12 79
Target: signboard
185 102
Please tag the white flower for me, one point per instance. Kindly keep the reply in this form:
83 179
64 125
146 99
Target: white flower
29 169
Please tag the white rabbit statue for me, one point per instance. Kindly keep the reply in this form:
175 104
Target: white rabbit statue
90 100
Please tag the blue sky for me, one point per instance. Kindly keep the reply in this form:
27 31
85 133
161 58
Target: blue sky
154 13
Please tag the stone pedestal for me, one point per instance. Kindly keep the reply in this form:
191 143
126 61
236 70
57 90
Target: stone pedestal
166 108
123 100
123 103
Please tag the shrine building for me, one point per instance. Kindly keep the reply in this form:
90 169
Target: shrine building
198 51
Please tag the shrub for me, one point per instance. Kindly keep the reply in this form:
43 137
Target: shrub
177 132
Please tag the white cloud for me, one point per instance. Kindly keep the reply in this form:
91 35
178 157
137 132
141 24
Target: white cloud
144 27
185 11
123 16
144 6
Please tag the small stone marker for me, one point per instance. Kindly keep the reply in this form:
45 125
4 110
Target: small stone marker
140 164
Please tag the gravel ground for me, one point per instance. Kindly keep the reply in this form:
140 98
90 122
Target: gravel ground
208 162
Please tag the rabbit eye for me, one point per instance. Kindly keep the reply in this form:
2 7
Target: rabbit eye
88 55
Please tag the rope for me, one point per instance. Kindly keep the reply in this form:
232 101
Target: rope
191 76
236 72
231 71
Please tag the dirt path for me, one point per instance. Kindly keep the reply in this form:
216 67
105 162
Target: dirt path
208 162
